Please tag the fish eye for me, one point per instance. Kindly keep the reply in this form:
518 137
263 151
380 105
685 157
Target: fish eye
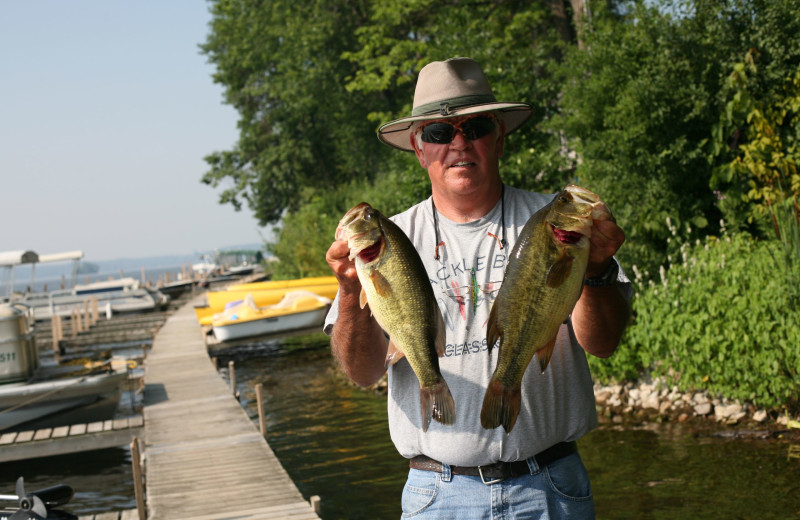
368 216
563 199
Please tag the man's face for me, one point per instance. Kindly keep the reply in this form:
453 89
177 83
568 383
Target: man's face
462 166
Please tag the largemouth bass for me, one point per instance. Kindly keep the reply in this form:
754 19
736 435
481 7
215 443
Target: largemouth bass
543 281
396 287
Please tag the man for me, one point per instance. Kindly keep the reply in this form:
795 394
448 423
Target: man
463 234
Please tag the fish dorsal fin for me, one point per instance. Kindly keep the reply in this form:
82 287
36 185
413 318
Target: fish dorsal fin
381 284
545 353
441 333
559 271
362 298
393 354
493 329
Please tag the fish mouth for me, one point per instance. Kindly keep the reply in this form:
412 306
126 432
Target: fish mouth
567 237
371 253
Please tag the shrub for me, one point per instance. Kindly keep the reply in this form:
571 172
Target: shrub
721 319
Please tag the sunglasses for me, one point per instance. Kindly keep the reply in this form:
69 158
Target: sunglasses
443 133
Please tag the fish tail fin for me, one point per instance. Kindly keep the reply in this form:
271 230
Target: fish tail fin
501 405
545 353
437 403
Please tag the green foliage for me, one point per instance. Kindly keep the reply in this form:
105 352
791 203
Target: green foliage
301 131
310 230
719 320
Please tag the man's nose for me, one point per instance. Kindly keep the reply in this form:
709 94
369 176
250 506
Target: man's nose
459 142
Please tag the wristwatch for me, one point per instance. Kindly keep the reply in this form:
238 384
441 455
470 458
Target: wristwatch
607 279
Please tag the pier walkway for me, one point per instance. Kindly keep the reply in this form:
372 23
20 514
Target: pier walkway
204 458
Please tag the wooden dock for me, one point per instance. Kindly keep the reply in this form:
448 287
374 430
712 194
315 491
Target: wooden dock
204 458
69 439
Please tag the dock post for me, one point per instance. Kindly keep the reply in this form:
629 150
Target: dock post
138 486
87 318
316 504
232 375
73 324
57 333
262 421
95 310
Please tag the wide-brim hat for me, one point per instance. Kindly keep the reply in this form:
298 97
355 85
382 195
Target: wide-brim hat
451 88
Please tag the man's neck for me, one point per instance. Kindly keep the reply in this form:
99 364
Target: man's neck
466 208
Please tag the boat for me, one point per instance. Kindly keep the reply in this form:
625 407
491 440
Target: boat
283 284
113 296
297 310
263 293
30 400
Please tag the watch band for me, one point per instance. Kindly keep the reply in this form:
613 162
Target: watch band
607 279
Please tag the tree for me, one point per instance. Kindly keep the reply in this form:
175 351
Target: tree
301 131
641 102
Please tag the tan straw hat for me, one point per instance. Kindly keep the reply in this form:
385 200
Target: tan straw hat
451 88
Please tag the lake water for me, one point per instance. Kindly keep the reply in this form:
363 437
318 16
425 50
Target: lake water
333 439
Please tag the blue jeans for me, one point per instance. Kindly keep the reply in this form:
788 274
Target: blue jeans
558 491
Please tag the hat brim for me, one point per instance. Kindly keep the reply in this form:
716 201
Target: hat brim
396 133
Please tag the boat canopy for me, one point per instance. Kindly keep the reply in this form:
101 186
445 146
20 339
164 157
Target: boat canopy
12 258
61 257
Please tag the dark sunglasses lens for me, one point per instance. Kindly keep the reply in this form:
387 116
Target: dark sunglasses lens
443 133
477 127
438 133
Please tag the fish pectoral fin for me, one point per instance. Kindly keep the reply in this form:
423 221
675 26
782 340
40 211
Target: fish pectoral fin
393 354
382 285
545 353
559 271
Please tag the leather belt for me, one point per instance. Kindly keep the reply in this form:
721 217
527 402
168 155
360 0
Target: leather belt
498 471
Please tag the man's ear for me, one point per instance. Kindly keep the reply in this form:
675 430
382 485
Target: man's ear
412 138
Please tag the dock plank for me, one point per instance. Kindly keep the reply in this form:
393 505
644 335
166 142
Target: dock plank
205 458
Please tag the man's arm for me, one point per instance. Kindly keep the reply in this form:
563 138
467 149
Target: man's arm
601 314
357 341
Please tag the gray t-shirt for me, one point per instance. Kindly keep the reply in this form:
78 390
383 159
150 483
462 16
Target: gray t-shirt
557 405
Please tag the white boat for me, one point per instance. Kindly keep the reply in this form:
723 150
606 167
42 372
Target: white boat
47 404
28 402
297 310
115 296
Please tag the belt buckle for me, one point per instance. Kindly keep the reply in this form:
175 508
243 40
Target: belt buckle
488 482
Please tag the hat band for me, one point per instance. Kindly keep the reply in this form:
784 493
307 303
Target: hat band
445 107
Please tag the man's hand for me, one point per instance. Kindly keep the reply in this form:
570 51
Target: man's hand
607 237
338 258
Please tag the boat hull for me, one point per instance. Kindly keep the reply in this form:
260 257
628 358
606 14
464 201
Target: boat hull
271 324
47 404
217 300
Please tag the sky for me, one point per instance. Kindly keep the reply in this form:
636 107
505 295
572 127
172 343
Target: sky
107 109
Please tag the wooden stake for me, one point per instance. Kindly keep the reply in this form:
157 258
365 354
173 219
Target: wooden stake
87 318
78 320
316 504
262 421
95 310
138 483
73 324
55 322
232 374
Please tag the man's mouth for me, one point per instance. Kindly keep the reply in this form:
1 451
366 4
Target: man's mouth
462 164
